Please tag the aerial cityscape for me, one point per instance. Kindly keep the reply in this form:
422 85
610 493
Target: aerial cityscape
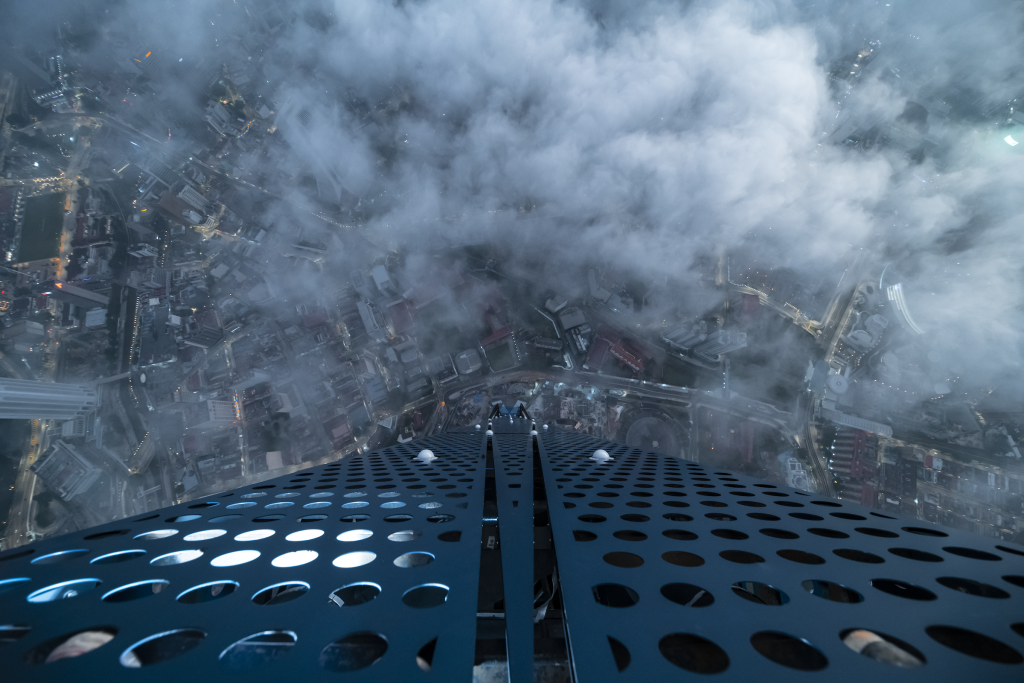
242 238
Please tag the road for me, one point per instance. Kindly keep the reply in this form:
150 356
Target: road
19 521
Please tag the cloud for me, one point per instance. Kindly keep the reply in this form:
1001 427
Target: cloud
643 134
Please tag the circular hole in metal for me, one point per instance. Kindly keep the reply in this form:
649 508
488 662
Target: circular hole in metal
982 590
70 645
403 536
761 593
581 535
311 519
354 594
799 556
882 648
902 589
679 535
619 653
63 590
354 535
258 649
397 519
806 516
135 591
236 506
182 518
877 533
160 647
624 560
614 595
693 653
974 644
632 518
178 557
413 560
730 534
205 592
923 531
267 519
763 516
354 559
200 506
156 535
740 557
354 652
295 558
304 535
828 533
352 519
630 535
280 593
254 535
107 534
204 535
912 554
831 591
857 556
779 533
972 553
16 554
224 518
677 517
681 559
12 632
1009 578
687 595
235 558
426 595
784 649
720 517
119 556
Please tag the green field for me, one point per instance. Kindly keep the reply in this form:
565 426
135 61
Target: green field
42 228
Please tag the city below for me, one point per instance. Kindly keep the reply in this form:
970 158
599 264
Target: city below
192 301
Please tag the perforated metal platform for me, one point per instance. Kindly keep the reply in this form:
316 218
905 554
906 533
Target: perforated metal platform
370 569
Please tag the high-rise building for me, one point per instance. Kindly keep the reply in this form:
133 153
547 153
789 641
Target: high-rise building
28 400
543 552
686 336
66 471
722 341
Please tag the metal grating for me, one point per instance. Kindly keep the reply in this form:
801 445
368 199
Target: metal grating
657 530
415 511
671 536
512 448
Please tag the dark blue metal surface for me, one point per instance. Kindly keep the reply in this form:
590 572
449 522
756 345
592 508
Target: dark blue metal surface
513 474
440 498
647 504
671 536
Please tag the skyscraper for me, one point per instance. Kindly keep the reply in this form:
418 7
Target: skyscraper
722 341
521 547
26 400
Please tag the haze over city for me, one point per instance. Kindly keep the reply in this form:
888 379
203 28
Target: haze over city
245 238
